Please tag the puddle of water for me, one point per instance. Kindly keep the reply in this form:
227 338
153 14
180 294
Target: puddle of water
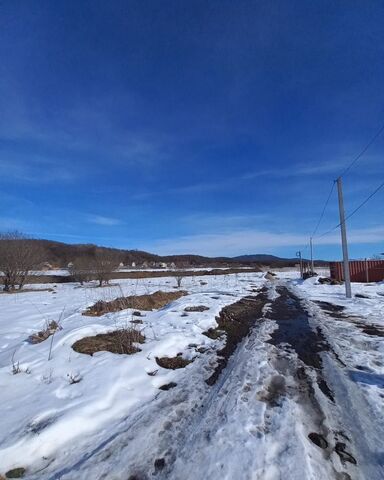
295 330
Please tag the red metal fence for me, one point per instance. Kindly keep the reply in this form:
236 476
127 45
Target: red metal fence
360 270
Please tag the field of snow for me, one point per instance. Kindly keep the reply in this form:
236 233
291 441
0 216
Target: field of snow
253 423
44 416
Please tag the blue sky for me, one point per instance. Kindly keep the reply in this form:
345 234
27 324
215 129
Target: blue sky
210 127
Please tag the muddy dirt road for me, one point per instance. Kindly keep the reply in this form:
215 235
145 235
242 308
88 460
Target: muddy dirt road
272 413
274 402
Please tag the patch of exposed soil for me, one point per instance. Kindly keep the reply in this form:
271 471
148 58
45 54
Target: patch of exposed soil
172 363
337 311
214 333
159 464
148 302
236 321
318 440
373 330
295 330
274 391
15 473
198 308
343 454
168 386
119 341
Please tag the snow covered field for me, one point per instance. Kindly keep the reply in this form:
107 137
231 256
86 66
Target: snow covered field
114 422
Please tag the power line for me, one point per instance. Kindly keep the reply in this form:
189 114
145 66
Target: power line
324 209
359 155
354 211
344 172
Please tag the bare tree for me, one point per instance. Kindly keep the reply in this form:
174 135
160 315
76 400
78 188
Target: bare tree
178 278
103 265
82 269
18 256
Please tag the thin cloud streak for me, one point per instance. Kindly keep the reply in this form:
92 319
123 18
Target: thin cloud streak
104 221
253 241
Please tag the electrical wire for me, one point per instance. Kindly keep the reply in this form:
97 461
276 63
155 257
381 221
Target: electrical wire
359 155
354 211
324 209
343 173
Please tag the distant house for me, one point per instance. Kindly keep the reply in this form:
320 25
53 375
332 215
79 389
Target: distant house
46 266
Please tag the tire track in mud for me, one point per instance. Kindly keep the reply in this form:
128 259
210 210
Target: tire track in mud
189 428
365 426
298 355
294 329
295 334
172 407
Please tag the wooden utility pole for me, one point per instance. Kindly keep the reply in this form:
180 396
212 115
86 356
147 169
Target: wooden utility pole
343 229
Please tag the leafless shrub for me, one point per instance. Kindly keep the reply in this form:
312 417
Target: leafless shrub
103 266
16 366
58 327
126 337
179 278
81 270
18 256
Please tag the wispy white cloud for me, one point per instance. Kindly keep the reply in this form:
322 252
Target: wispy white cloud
34 170
223 222
309 171
300 170
254 241
104 221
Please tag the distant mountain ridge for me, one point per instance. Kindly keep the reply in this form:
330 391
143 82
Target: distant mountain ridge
60 254
267 259
263 257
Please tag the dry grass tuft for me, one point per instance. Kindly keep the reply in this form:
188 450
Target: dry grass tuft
148 302
120 341
172 363
50 329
